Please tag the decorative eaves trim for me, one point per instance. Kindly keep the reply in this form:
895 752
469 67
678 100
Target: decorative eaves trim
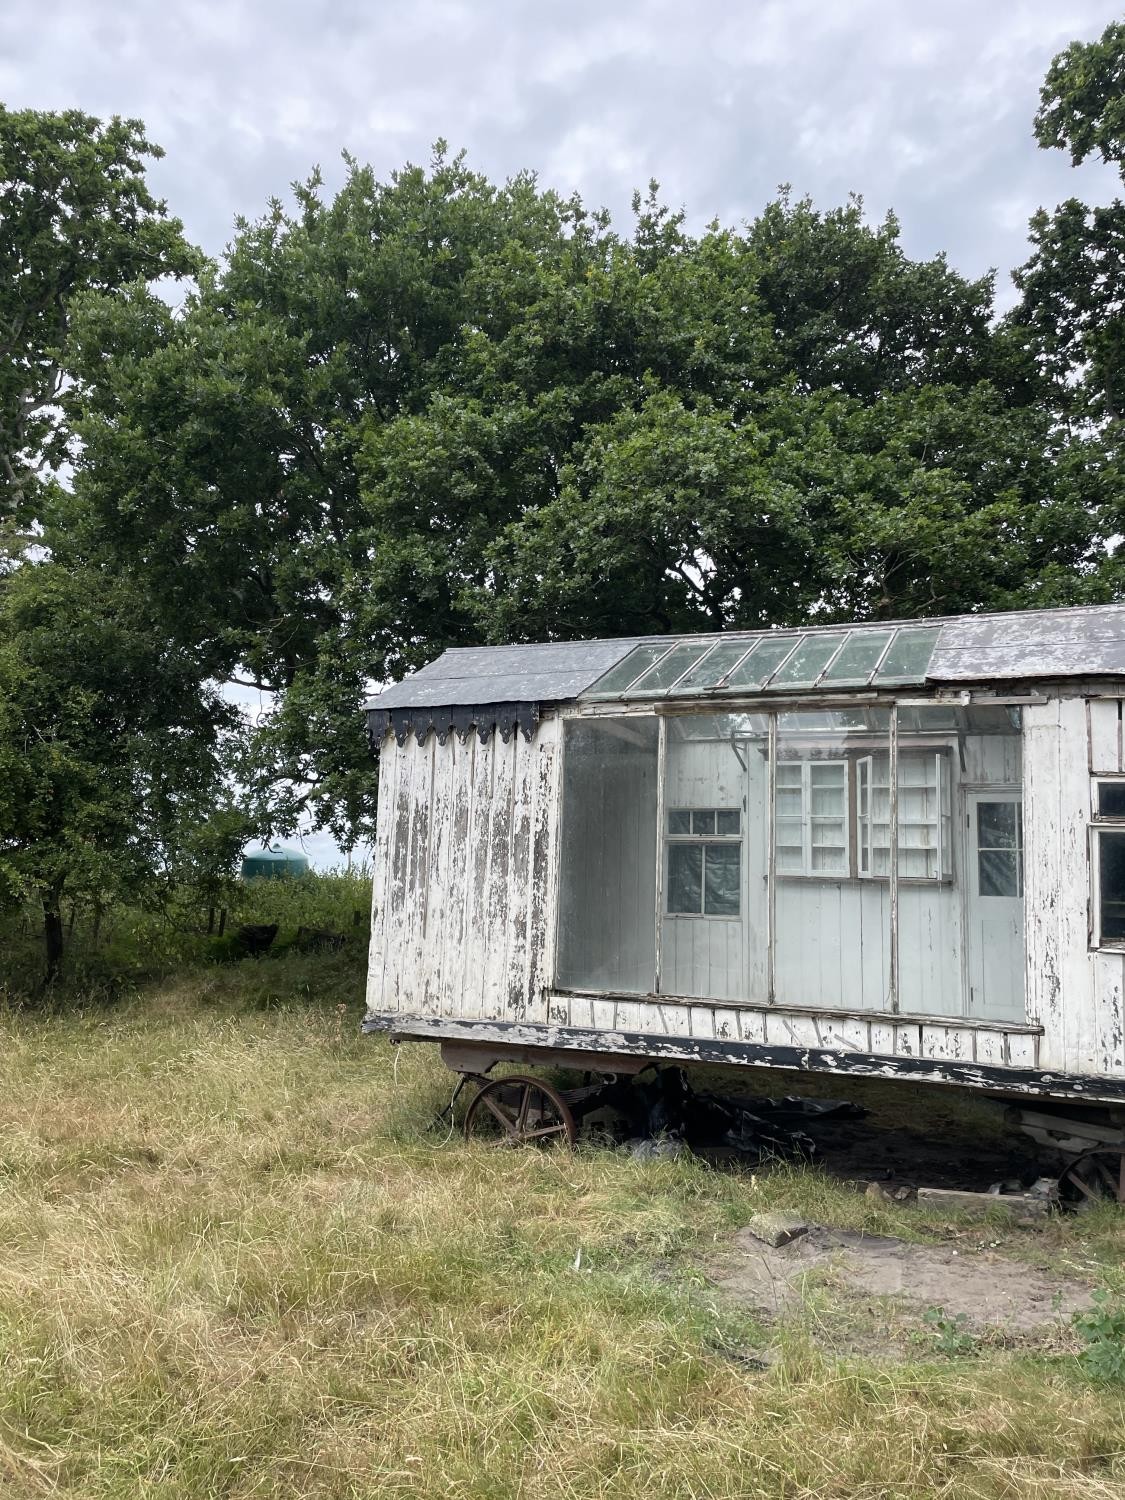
484 719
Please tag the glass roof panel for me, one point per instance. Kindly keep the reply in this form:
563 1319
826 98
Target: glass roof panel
764 660
618 678
909 654
808 661
858 659
661 676
714 666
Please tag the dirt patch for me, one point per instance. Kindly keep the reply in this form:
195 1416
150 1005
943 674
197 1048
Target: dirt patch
993 1293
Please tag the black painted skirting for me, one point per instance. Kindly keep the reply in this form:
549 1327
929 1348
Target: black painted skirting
656 1048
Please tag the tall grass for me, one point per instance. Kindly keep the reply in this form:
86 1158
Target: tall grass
236 1263
110 952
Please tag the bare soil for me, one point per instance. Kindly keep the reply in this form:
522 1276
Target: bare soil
993 1292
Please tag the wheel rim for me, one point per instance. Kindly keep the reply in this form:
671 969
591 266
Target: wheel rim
1099 1175
519 1111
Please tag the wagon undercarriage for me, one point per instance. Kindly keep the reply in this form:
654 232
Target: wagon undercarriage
657 1110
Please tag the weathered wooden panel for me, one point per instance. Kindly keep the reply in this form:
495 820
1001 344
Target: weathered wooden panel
1042 870
542 917
389 765
1109 1012
421 877
456 936
494 934
1078 1023
398 893
1105 736
460 827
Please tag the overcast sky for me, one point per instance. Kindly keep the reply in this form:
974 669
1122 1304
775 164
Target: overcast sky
925 109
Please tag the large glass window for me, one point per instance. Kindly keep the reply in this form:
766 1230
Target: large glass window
706 888
607 897
1109 850
831 926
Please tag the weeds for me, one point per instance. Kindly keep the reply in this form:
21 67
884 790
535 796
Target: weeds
951 1334
1102 1331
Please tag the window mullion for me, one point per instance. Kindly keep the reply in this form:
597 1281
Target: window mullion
892 815
661 845
771 863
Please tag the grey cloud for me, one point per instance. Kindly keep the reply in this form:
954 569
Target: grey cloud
924 109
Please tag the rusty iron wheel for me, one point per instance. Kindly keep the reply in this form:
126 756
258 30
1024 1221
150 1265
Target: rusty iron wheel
1098 1175
519 1111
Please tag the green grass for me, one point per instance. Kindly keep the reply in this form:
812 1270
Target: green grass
236 1263
111 955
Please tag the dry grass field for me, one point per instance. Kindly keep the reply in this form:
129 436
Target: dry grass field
234 1262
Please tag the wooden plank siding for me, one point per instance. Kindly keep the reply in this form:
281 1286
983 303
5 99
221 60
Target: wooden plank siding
463 891
465 911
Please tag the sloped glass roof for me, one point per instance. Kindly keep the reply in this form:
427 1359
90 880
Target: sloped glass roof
775 661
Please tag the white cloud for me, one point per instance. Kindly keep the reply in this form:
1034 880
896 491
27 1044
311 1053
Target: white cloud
926 109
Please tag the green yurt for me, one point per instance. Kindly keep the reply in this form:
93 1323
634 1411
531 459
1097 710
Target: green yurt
274 864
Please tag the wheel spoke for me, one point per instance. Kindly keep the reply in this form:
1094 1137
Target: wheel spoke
528 1110
505 1119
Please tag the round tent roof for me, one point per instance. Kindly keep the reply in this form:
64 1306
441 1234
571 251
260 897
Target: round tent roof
273 864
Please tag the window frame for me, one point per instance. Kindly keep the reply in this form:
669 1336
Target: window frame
808 848
701 841
858 825
1113 825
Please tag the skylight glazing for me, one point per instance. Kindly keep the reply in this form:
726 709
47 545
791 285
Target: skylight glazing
781 661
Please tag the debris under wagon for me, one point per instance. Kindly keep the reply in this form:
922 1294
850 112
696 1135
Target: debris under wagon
658 1113
655 1114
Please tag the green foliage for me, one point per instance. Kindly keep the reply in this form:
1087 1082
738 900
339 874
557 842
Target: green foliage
1102 1330
1082 101
75 215
950 1333
1073 286
434 411
114 946
109 750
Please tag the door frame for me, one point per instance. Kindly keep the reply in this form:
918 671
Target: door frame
973 793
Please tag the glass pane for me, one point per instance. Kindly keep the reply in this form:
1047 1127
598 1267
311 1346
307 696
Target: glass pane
685 878
665 672
997 825
999 872
707 672
618 678
723 867
909 655
1111 799
859 658
717 766
832 917
727 727
703 821
679 820
1111 881
765 660
808 661
609 843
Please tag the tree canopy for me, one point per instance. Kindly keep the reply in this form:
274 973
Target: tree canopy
75 215
435 410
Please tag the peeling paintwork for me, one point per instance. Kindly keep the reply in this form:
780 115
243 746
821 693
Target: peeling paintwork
465 908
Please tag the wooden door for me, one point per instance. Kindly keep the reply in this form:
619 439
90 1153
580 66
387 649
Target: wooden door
994 920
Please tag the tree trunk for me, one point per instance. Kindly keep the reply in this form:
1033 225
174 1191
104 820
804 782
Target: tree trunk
52 932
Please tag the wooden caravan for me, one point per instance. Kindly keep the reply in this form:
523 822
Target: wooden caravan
894 850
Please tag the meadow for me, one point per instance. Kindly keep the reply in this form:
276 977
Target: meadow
239 1260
